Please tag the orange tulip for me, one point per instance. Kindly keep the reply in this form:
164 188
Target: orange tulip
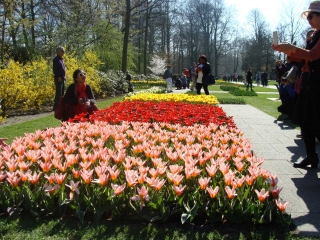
118 189
262 195
60 178
203 182
213 192
282 205
230 192
46 166
34 179
179 189
86 176
211 170
51 178
13 179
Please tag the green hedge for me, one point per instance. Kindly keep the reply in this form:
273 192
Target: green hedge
237 91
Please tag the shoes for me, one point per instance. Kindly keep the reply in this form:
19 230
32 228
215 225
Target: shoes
312 160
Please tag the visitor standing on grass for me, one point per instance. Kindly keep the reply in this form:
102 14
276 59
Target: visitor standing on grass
79 97
264 79
168 77
203 70
309 96
249 78
59 71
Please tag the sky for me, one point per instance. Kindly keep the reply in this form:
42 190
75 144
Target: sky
270 9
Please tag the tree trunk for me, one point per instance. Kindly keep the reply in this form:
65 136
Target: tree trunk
126 37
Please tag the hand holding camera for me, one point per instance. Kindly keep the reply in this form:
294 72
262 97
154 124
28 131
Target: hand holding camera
81 100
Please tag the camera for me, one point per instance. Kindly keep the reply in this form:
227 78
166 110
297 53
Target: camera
82 100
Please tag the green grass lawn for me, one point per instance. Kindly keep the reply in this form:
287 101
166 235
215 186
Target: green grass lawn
27 227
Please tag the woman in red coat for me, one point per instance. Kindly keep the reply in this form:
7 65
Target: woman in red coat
79 97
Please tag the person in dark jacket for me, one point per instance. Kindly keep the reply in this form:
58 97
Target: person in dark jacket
309 96
249 78
59 72
203 70
79 97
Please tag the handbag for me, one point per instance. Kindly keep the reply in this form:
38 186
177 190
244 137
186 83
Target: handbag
292 75
59 110
209 79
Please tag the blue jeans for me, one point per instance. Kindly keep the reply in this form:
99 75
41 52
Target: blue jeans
169 84
59 90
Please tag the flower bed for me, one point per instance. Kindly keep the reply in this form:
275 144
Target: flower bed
169 112
155 170
203 99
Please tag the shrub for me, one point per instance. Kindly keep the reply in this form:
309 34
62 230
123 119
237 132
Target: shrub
231 101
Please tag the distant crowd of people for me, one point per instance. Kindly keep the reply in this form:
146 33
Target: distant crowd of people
195 78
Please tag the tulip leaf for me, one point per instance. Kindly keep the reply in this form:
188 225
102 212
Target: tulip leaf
80 214
185 217
13 211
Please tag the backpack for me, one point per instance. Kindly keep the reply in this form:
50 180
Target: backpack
59 110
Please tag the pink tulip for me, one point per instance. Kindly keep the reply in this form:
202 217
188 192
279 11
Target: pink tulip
250 180
12 165
230 192
228 177
86 176
175 168
275 191
3 176
117 189
34 179
264 173
114 172
45 166
13 179
239 181
131 177
282 205
85 165
60 178
203 182
211 170
24 166
262 195
224 168
213 192
51 189
179 189
74 188
51 178
273 180
142 196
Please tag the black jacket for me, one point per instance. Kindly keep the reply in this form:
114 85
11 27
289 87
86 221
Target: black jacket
71 95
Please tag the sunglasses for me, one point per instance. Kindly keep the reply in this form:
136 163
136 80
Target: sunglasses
82 74
310 16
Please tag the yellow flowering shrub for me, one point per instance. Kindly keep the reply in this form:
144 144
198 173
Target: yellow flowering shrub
205 99
30 86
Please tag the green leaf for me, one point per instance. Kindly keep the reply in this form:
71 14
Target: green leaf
80 214
13 211
185 217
